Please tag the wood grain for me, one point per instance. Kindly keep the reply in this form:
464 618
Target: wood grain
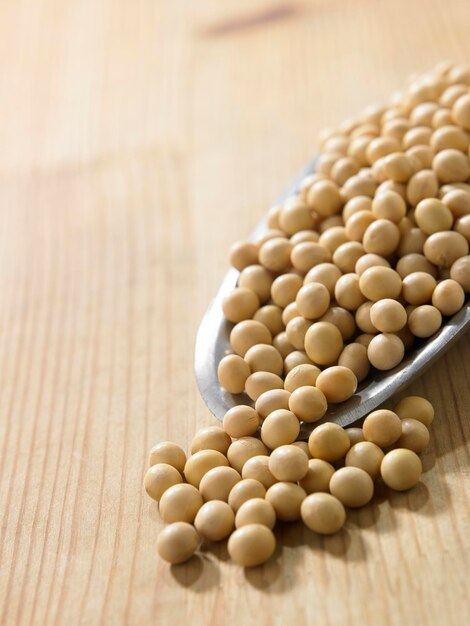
138 140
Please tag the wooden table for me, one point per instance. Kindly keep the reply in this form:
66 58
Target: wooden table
138 140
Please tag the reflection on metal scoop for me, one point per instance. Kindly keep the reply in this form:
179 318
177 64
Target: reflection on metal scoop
212 344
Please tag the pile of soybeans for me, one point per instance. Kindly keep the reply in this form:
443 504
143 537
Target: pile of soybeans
371 254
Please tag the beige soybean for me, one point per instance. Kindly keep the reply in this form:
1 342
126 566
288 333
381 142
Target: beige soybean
356 204
411 241
298 357
177 542
326 274
338 383
423 184
357 225
401 469
264 358
159 478
258 279
424 155
388 316
399 167
347 255
342 319
168 452
309 254
381 147
352 486
243 449
363 319
457 201
365 339
308 403
248 333
274 254
244 490
348 293
313 300
449 136
358 186
273 217
260 382
256 511
370 260
355 435
432 216
418 287
367 456
343 169
424 321
282 343
180 503
232 372
215 520
333 236
422 114
377 283
415 407
323 513
301 376
414 262
296 330
281 427
450 96
243 254
460 272
389 205
451 166
461 109
288 463
200 463
385 351
419 135
211 438
258 468
390 185
295 217
240 304
354 357
382 427
448 297
462 226
251 545
381 237
304 235
271 233
328 442
442 117
324 197
286 499
323 343
414 436
284 289
317 477
303 445
270 401
241 421
290 312
271 316
218 482
337 237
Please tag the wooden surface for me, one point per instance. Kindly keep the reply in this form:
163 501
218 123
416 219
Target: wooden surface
137 141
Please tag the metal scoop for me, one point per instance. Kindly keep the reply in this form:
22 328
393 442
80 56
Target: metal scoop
212 344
